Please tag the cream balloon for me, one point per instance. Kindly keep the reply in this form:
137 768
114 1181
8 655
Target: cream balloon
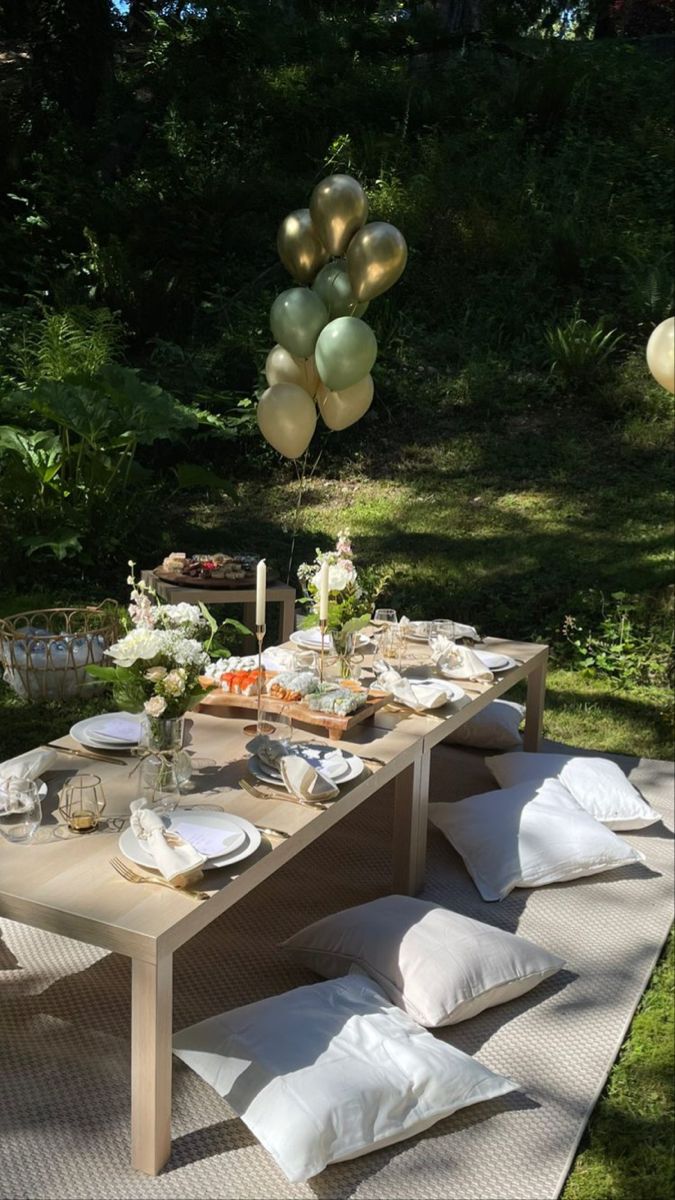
339 410
376 258
287 418
661 354
282 367
299 246
338 206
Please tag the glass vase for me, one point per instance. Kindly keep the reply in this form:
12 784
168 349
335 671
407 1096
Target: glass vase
162 744
346 659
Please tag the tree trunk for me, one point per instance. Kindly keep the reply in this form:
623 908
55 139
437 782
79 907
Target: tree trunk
460 16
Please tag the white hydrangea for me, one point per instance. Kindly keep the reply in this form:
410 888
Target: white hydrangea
138 644
185 652
186 617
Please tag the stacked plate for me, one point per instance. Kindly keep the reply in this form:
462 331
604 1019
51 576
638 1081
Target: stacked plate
109 731
204 830
310 639
338 766
497 663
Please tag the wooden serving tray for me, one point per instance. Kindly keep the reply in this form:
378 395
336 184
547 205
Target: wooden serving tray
221 704
180 580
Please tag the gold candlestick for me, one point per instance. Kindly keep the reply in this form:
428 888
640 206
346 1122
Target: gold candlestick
260 725
322 626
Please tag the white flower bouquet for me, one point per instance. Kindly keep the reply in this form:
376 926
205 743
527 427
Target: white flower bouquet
349 604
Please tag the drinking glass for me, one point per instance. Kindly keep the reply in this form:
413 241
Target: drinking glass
82 802
385 616
391 646
20 810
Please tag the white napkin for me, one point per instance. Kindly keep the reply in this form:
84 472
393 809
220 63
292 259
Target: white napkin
26 768
458 662
304 782
269 750
419 696
173 861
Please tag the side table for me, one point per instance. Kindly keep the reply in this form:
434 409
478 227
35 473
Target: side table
277 593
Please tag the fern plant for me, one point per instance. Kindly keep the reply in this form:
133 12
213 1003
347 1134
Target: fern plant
579 351
65 346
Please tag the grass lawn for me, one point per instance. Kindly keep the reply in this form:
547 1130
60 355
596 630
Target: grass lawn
505 522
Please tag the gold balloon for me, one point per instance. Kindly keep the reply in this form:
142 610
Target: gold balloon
376 258
339 206
661 354
287 418
282 367
341 409
299 246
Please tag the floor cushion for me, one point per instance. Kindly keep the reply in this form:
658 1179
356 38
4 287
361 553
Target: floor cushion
527 836
330 1071
597 784
438 966
495 727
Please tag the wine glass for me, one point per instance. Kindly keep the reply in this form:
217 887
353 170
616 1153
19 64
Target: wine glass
385 616
20 810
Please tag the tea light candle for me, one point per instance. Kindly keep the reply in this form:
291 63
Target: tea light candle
82 821
261 592
324 577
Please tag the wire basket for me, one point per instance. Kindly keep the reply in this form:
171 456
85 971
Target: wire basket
45 652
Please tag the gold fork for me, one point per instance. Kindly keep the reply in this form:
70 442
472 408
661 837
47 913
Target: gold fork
133 877
279 795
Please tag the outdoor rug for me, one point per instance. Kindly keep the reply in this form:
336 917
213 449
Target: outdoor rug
64 1026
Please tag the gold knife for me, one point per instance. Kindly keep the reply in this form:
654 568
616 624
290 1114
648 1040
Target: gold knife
85 754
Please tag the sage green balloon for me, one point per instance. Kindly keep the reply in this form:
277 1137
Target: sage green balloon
296 319
345 352
334 287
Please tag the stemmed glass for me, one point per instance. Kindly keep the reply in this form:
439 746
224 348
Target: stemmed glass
385 616
20 810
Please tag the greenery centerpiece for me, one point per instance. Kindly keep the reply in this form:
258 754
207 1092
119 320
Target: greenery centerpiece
350 598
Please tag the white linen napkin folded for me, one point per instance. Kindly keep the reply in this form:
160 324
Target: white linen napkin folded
419 696
174 859
304 782
458 630
458 662
269 750
25 767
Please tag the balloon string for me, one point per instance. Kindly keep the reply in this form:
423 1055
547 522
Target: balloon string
303 480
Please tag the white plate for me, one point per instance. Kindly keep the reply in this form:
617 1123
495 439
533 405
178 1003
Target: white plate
84 732
495 662
313 754
453 690
273 776
309 640
134 850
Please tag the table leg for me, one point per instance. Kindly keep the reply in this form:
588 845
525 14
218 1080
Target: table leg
250 644
534 710
151 1008
411 803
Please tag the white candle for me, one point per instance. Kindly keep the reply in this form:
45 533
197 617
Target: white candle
260 592
323 591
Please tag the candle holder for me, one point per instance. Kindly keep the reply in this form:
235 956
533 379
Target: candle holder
260 726
323 625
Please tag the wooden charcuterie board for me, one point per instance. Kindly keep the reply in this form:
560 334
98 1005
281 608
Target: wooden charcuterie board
223 704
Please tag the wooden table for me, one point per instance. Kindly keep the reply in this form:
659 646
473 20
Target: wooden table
67 886
277 593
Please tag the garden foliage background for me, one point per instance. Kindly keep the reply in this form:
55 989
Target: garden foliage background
515 468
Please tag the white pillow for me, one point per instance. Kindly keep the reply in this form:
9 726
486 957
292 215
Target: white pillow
495 727
436 965
527 836
599 786
331 1071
